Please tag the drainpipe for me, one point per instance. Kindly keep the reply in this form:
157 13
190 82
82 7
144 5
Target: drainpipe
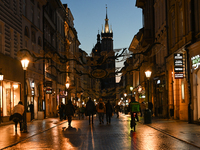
192 15
44 86
167 46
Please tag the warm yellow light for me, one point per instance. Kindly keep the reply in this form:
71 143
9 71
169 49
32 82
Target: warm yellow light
148 73
15 86
131 88
1 77
125 94
25 63
67 85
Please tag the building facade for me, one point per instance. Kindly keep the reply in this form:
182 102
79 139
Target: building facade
11 89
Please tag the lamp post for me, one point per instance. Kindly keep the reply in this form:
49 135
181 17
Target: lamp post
131 89
148 75
25 63
1 79
125 94
67 87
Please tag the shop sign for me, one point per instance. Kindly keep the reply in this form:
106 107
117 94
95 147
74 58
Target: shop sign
178 76
195 61
99 73
48 90
178 69
178 66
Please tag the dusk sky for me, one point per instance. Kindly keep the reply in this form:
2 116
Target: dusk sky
89 16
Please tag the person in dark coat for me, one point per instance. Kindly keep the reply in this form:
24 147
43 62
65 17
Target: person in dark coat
69 111
117 109
109 111
90 109
61 111
150 106
31 106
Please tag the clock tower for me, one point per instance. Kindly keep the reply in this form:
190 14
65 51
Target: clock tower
104 49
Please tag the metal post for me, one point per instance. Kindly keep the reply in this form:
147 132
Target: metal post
148 92
0 101
25 103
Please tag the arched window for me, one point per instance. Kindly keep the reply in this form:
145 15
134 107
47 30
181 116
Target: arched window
39 41
26 32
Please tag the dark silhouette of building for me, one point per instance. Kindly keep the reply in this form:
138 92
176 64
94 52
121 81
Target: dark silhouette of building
103 53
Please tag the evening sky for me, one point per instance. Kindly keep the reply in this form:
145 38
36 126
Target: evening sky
89 16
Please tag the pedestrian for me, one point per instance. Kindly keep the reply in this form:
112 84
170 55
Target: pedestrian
109 111
117 109
90 109
69 111
61 111
101 109
31 106
150 106
82 111
143 108
17 116
134 107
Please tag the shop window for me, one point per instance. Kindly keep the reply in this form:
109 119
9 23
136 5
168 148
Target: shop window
10 98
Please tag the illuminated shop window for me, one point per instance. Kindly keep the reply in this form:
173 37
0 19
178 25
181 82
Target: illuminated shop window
10 97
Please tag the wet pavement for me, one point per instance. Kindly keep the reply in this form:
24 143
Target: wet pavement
48 134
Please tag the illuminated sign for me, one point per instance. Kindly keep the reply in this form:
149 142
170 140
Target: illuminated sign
178 66
178 76
195 61
49 91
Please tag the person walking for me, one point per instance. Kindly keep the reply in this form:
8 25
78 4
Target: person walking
109 111
150 106
17 116
101 109
31 106
69 111
143 108
61 111
82 111
90 109
117 109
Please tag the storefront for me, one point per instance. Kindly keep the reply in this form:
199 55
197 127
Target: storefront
9 97
195 80
177 85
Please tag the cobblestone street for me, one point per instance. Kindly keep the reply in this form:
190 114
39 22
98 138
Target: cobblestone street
48 134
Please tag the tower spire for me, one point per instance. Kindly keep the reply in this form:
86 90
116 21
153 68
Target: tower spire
106 22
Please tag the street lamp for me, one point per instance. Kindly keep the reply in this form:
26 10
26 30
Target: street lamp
125 97
1 79
131 88
25 63
67 87
148 75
